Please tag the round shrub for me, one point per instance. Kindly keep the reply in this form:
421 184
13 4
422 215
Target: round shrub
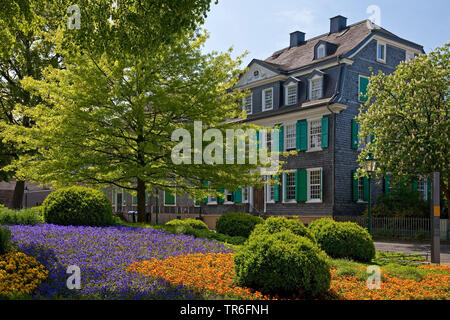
283 264
278 224
344 240
237 224
194 223
77 206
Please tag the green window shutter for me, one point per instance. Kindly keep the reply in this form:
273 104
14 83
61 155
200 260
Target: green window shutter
387 179
219 199
366 189
325 132
363 83
281 139
415 184
276 190
197 203
355 130
238 196
169 199
113 195
258 140
302 185
429 187
134 200
302 135
284 188
355 186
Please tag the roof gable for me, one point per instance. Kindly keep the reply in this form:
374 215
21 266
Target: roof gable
257 71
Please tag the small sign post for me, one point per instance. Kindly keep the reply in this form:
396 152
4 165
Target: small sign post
435 220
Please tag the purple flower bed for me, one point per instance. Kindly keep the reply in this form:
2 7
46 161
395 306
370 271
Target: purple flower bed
103 254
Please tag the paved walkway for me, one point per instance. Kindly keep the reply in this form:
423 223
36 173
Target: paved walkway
421 248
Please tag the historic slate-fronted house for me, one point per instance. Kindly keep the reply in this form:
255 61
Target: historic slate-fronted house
312 91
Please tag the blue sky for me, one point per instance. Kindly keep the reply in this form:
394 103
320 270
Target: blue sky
263 26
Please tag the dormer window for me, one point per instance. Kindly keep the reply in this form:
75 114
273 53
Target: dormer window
320 51
316 87
291 94
247 104
267 99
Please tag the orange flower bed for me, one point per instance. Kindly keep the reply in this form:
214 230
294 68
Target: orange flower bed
437 268
211 273
432 286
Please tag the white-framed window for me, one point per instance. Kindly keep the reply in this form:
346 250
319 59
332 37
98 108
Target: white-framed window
316 88
361 190
289 136
314 187
320 51
289 187
268 140
267 99
409 56
314 134
381 51
422 187
212 200
291 94
245 194
248 104
228 197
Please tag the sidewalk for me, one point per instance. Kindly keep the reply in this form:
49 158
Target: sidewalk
420 248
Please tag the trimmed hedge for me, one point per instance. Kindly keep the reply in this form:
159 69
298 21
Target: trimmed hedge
343 240
201 233
237 224
274 225
283 264
30 216
194 223
5 240
78 206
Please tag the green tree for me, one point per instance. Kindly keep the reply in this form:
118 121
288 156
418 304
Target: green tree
27 35
407 115
25 50
110 121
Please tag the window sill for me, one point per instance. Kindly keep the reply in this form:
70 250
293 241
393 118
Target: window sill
270 202
381 61
269 109
228 202
314 201
361 202
170 205
211 203
290 202
314 150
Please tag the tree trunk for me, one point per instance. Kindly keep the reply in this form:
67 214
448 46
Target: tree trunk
141 208
19 190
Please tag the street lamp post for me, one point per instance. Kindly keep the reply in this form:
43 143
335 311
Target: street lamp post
370 164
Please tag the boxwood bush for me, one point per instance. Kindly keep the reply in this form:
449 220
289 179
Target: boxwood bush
278 224
194 223
283 264
77 206
30 216
237 224
343 239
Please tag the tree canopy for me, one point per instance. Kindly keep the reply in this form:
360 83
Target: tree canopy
407 114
